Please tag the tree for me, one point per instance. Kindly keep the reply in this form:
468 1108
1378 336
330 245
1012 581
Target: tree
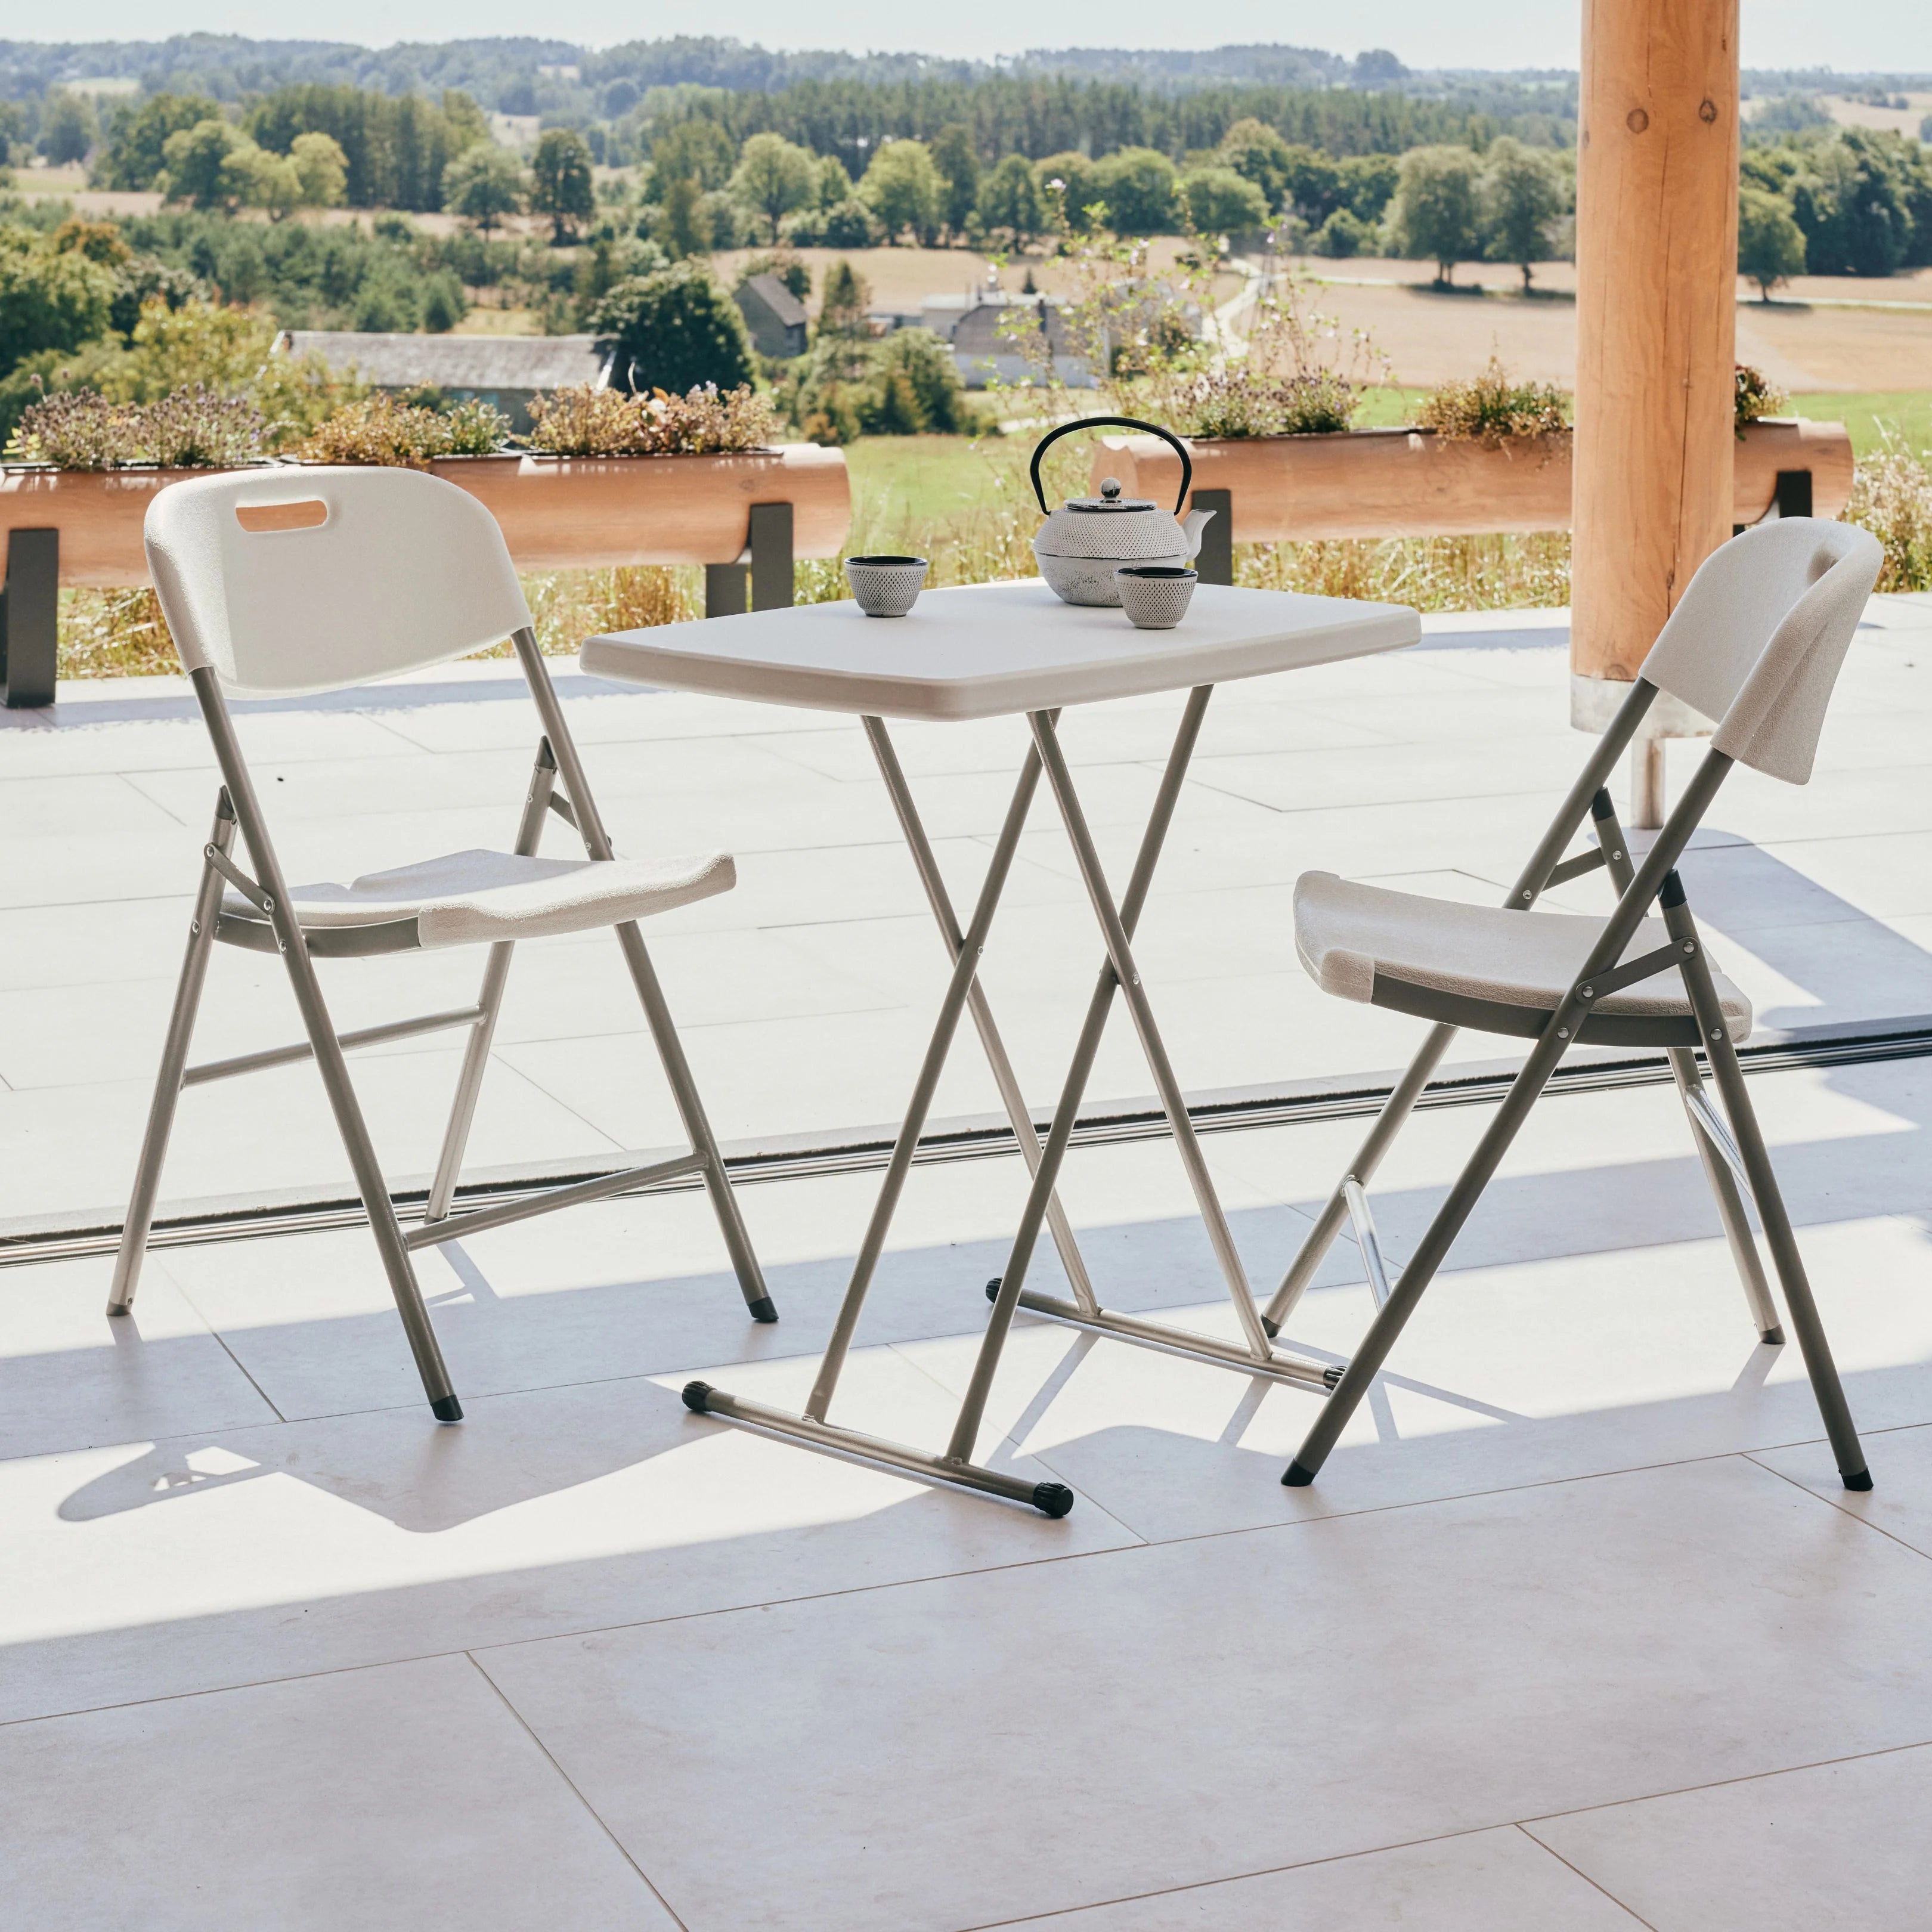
1138 185
1009 198
1344 233
1524 194
323 169
850 224
958 161
1435 215
210 165
792 273
842 307
1220 202
903 189
1258 155
443 303
68 128
682 228
1368 185
774 177
1770 245
1068 180
483 185
1853 197
835 184
49 298
136 136
676 329
692 150
560 182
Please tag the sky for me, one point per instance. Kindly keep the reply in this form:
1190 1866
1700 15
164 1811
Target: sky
1894 35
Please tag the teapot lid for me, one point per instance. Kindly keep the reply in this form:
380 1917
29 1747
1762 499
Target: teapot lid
1109 498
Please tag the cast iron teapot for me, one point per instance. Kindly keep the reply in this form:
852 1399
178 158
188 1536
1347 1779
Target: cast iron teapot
1083 542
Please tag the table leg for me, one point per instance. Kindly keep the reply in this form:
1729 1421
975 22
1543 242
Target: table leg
1117 924
1054 1498
940 901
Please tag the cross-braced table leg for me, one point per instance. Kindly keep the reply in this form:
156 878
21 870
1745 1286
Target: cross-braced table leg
1119 973
1054 1498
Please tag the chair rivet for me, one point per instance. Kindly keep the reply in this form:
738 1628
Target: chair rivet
1526 892
1717 1032
1562 1033
1690 946
1586 992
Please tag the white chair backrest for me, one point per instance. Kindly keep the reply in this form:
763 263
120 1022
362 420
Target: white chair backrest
1757 641
398 570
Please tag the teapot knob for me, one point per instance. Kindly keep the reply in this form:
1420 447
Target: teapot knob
1110 487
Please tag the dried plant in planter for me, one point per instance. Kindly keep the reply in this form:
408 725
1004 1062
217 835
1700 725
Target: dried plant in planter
78 429
197 429
1238 402
193 428
584 421
1757 395
1491 409
382 431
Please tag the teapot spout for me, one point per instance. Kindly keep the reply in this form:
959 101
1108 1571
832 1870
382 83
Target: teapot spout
1194 522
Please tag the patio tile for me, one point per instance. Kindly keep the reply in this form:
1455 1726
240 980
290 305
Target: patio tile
71 1377
1497 1881
265 1552
1900 1504
1332 1688
1831 1845
1535 1373
383 1798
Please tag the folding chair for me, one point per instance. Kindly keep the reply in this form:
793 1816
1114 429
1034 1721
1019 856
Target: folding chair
1755 644
284 582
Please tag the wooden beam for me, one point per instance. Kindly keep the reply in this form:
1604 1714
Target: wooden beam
1657 215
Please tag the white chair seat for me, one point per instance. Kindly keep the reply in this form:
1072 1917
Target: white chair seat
464 898
1346 933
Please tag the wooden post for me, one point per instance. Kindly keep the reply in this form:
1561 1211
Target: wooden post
1657 219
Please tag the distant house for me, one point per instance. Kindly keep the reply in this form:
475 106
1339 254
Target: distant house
504 370
983 327
774 315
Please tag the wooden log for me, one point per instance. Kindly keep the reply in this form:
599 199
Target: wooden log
1657 210
1411 483
557 513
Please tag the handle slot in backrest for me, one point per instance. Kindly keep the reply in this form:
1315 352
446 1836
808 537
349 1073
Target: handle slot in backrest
308 513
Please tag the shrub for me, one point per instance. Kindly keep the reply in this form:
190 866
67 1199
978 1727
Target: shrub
675 330
1756 395
1490 409
1892 496
1220 202
1342 235
849 224
583 420
383 431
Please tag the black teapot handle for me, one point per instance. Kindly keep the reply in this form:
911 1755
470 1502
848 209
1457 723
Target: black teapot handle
1119 422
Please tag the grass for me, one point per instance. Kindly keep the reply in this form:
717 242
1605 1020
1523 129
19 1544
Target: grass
1904 414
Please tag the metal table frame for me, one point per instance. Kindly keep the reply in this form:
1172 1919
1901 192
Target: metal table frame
1118 973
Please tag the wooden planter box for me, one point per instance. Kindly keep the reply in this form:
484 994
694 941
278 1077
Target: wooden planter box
1409 483
762 507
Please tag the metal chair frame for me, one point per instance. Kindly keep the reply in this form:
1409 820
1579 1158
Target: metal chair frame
1731 1159
273 926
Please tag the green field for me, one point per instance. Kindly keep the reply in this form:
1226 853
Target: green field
1904 415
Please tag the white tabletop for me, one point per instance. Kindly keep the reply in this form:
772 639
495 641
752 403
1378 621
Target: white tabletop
987 650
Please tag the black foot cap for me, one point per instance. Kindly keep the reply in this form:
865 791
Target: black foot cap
446 1408
1297 1477
762 1309
1331 1376
1774 1338
993 1287
1053 1499
1270 1329
1860 1482
694 1394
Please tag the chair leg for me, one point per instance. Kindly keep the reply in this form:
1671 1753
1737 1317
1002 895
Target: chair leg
696 1125
1823 1371
1430 1253
1730 1211
140 1216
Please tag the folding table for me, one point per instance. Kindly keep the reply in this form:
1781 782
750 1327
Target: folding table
987 651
